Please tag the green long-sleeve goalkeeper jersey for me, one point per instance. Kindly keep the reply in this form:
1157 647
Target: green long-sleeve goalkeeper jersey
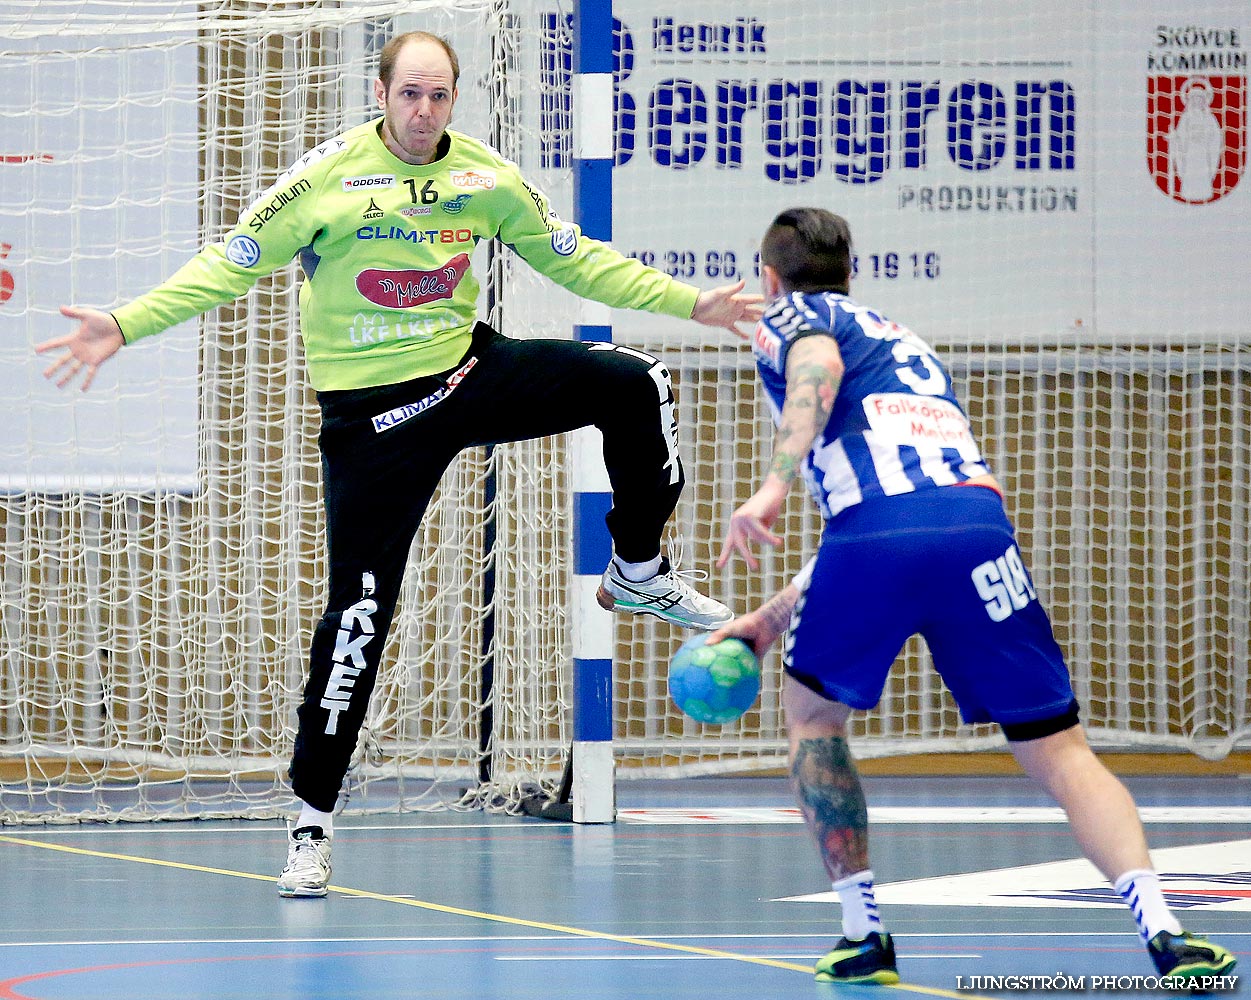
388 293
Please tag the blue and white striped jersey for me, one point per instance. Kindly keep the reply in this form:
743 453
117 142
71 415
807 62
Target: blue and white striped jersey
896 426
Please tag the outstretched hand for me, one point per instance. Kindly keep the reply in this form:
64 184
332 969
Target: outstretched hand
752 523
726 307
97 339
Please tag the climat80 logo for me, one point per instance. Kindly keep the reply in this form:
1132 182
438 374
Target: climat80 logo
443 236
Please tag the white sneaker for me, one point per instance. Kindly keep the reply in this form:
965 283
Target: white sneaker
308 864
666 595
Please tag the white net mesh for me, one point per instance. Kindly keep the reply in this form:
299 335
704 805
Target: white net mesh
1014 180
161 537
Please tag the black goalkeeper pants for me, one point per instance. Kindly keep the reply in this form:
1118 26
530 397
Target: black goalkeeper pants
384 450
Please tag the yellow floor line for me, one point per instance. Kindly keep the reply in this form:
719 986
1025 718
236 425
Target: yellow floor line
479 915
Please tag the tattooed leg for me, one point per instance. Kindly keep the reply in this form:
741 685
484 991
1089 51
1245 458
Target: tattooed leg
828 787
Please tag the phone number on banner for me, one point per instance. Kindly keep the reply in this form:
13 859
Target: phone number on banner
889 265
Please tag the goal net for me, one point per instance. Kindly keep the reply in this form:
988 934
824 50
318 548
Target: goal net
1056 200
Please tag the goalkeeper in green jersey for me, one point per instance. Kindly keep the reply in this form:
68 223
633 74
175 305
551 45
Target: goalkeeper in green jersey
384 219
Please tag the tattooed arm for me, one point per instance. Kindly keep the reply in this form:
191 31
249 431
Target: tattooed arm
814 369
760 629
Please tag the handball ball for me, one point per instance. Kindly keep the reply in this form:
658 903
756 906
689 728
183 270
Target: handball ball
716 683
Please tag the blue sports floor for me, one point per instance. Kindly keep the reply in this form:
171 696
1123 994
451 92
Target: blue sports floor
699 890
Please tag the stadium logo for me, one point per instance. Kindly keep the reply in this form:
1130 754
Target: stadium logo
473 179
1196 135
262 213
860 129
406 289
1196 118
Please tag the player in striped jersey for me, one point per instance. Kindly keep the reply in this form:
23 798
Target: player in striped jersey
896 425
916 540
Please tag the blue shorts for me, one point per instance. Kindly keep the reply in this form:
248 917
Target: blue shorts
942 563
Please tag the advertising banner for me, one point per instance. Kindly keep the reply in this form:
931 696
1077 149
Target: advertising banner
1042 172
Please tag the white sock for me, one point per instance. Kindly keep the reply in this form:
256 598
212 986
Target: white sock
1140 889
638 572
315 817
860 917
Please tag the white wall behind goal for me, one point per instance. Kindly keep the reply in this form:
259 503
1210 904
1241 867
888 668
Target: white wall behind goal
1010 172
99 163
1025 176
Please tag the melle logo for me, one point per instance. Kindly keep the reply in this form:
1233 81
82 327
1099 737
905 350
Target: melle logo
405 289
1197 119
371 181
481 180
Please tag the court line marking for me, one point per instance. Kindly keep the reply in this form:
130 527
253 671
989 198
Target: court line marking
816 935
1198 815
925 815
671 958
266 827
498 918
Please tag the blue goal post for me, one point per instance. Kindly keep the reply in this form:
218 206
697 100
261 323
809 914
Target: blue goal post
593 791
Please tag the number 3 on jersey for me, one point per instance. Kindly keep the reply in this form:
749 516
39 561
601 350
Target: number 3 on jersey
914 353
919 369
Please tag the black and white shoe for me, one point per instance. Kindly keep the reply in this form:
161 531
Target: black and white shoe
308 864
666 595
